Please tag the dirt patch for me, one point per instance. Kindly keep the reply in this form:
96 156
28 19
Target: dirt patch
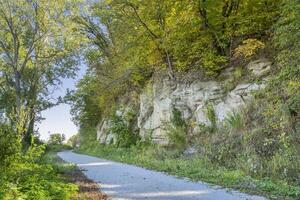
88 189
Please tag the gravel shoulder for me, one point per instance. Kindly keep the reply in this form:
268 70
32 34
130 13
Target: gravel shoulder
127 182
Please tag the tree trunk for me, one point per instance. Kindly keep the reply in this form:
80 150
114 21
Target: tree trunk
28 136
170 66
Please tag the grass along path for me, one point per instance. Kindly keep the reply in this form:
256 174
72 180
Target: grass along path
194 168
87 189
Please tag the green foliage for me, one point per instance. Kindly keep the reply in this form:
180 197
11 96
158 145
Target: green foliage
130 40
10 145
37 52
121 127
177 137
271 138
221 147
262 142
34 182
177 131
58 147
56 139
235 121
177 118
24 175
31 178
211 116
87 135
86 106
73 141
288 50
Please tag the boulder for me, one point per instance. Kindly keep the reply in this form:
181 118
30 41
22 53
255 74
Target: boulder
260 67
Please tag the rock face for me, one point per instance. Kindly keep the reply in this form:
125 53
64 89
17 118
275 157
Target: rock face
104 135
160 97
259 67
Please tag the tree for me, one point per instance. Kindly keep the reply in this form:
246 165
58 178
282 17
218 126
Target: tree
73 141
56 139
36 50
130 40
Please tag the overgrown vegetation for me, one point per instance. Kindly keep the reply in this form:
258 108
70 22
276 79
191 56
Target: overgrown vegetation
258 148
30 175
124 42
130 40
177 131
122 127
36 52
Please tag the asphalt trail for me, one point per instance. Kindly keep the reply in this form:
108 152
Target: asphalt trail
127 182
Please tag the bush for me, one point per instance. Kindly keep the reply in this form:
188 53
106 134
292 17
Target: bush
10 145
124 134
23 175
33 181
235 121
263 142
177 131
177 137
58 147
222 147
177 119
211 116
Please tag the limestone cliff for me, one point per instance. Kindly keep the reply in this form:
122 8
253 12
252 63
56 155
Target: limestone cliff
191 97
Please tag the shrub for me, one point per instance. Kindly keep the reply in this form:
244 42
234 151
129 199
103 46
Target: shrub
249 48
177 119
177 136
10 145
34 181
124 133
211 116
58 147
263 142
31 178
73 141
223 147
177 131
235 121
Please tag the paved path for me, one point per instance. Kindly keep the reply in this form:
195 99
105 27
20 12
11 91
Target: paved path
127 182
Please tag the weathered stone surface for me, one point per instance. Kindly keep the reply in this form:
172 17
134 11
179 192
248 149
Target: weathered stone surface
191 97
102 131
260 67
104 134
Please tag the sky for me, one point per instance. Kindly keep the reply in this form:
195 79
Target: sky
58 118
